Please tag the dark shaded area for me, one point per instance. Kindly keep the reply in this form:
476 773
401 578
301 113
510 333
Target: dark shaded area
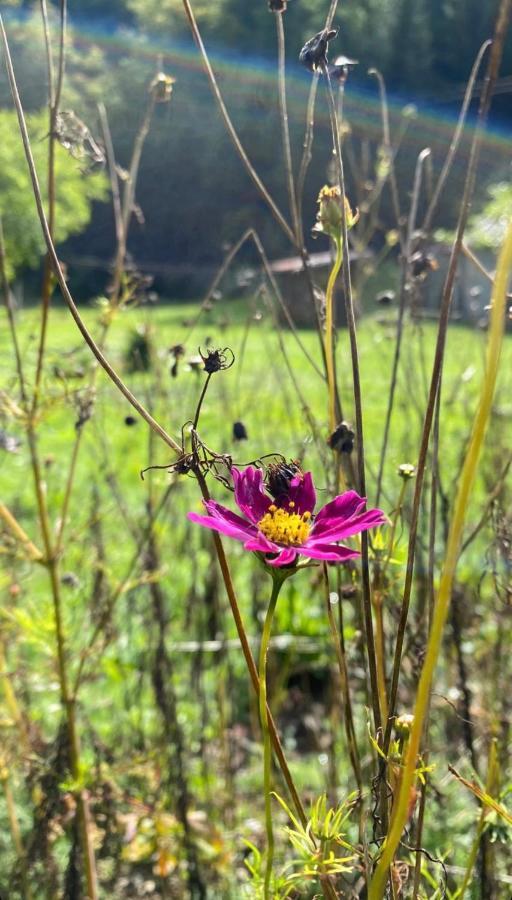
193 194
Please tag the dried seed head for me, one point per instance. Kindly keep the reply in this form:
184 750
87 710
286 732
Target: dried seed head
279 475
217 360
342 438
329 215
278 6
239 431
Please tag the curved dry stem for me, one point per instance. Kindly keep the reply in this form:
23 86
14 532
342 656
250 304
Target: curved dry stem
454 145
283 109
406 270
386 137
251 171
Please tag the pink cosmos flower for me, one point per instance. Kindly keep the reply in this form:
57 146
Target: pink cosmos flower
285 526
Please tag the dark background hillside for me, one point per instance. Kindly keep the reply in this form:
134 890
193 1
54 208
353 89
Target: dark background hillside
192 191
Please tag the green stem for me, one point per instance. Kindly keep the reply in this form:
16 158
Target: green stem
277 580
378 883
339 648
489 787
329 332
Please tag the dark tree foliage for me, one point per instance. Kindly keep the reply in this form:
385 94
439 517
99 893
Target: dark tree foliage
192 189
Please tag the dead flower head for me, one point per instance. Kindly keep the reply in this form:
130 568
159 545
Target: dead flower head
329 218
217 360
314 52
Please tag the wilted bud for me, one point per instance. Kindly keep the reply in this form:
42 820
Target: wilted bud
342 438
239 431
161 87
406 470
404 723
329 217
216 360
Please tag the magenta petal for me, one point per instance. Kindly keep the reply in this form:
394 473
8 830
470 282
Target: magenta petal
302 493
250 493
344 506
285 558
218 511
329 552
226 522
261 544
333 529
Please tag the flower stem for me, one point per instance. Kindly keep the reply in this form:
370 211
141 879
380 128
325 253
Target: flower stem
339 647
277 580
329 330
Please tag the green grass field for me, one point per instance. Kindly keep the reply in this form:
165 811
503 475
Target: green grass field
108 508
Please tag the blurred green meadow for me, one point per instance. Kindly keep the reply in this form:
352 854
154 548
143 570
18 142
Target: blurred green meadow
123 743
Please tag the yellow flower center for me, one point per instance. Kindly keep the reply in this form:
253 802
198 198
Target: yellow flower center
284 526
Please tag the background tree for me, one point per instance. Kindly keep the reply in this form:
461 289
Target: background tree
76 194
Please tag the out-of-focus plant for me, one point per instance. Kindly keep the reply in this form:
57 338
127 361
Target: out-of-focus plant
77 192
487 228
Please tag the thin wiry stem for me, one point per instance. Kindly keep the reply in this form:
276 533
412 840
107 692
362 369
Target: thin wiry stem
250 233
444 313
231 128
7 297
404 291
329 333
307 154
339 648
356 378
283 109
386 139
468 253
112 172
267 749
457 135
431 602
54 95
295 239
126 211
